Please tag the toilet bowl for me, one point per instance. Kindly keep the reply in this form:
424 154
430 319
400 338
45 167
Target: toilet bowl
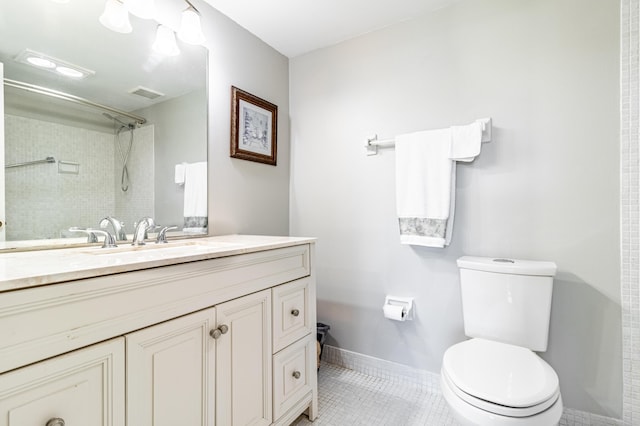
496 378
490 383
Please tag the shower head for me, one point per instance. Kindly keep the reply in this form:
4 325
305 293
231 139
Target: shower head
117 120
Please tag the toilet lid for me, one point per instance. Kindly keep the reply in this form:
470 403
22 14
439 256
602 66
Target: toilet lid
508 375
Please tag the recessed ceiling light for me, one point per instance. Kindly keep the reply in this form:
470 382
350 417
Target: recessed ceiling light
41 62
49 63
70 72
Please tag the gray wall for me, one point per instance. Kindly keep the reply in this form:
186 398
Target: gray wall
245 197
545 188
180 127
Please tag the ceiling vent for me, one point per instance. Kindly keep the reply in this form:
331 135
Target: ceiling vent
145 93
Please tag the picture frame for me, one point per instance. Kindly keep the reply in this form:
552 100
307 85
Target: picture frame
253 128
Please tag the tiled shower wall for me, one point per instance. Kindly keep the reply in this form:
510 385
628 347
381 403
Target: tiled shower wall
630 206
43 203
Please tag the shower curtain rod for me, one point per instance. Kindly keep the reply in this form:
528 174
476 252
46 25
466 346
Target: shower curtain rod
71 98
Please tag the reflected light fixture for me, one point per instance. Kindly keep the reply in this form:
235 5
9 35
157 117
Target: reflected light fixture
190 29
165 41
145 9
116 17
49 63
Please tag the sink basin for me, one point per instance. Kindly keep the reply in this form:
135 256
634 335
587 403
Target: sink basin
172 247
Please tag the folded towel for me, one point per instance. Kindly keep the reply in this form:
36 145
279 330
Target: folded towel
180 174
466 141
424 187
195 198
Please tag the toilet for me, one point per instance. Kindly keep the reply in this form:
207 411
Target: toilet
496 377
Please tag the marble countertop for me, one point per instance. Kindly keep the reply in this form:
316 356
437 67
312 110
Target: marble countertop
35 268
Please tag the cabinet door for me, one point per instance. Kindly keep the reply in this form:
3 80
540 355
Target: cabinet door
243 369
170 372
84 387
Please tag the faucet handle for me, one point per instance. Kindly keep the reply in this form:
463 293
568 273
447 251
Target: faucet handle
162 235
109 240
91 236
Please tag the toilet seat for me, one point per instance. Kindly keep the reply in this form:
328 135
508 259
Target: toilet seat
500 378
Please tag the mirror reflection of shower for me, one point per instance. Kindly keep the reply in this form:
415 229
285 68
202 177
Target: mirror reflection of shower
119 127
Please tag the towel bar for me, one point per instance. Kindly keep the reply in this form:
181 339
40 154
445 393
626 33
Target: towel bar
373 142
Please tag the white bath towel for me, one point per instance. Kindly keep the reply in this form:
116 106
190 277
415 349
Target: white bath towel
425 183
466 141
195 198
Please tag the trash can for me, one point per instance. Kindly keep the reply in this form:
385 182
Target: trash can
321 335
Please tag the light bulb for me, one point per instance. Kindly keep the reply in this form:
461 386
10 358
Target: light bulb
115 17
190 29
69 72
165 41
41 62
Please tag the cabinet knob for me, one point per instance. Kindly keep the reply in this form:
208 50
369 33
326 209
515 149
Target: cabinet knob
56 421
217 332
296 374
295 312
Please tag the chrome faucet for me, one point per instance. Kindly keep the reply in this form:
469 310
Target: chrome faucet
162 235
118 227
145 224
109 240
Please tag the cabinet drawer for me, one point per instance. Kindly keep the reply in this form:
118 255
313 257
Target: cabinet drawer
79 313
292 370
291 313
85 387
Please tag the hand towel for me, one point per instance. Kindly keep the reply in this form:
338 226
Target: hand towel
466 142
195 198
180 174
425 183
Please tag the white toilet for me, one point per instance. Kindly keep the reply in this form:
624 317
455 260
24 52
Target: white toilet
495 378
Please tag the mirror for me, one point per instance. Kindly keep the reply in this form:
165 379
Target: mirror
70 165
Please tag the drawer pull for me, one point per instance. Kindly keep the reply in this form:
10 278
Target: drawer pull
217 332
295 312
296 374
56 421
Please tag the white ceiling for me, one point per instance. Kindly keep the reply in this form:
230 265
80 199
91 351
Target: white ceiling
295 27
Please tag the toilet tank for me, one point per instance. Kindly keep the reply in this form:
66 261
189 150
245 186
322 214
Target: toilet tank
507 300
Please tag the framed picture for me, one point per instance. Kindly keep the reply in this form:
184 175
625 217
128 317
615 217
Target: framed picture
253 128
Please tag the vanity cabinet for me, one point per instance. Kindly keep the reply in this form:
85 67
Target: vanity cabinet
84 387
225 341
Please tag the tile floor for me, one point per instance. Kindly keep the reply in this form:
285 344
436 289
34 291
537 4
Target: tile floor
347 397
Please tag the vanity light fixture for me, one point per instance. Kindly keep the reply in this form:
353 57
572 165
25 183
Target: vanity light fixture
116 17
165 41
145 9
49 63
190 29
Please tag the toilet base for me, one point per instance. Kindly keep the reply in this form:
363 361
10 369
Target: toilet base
468 415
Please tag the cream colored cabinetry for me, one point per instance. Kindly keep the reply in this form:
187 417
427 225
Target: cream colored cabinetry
85 387
225 341
171 372
243 370
294 348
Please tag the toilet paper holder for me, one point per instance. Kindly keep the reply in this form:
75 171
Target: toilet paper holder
405 302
